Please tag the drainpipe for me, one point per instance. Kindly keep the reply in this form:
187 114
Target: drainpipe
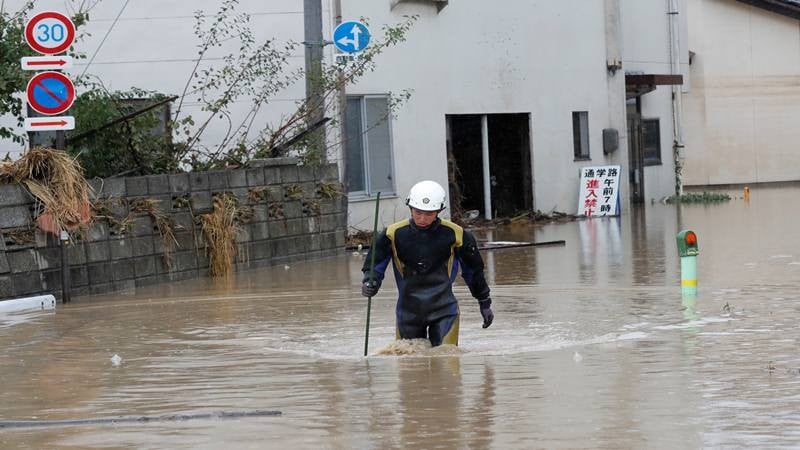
677 104
487 181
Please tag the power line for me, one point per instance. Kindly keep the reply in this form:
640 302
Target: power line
165 60
104 37
130 19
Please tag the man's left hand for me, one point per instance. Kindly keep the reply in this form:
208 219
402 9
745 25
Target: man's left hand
486 312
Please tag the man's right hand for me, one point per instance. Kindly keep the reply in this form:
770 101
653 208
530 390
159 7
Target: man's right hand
369 288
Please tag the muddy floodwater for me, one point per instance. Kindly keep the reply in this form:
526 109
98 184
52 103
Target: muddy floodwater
593 346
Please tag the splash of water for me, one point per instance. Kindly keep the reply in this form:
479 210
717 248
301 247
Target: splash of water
418 347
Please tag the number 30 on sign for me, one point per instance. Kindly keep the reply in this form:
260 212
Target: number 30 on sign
49 32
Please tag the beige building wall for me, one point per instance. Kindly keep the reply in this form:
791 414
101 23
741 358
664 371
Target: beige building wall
742 112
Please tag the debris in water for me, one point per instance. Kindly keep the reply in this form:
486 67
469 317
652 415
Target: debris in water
577 357
116 360
727 308
286 267
135 419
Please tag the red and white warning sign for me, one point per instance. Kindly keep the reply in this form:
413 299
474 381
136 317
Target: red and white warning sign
50 32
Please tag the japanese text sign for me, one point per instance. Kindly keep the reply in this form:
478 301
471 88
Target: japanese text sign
599 191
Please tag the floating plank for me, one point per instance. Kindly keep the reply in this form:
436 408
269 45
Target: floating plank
500 245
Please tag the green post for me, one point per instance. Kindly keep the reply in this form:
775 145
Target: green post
688 251
372 268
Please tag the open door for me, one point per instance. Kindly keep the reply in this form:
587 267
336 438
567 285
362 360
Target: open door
635 151
510 176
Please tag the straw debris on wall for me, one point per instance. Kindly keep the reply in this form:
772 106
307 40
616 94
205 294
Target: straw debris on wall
56 180
220 228
164 224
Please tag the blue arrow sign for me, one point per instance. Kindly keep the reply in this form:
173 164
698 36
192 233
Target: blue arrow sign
351 37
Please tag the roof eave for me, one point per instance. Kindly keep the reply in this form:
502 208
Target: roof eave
781 7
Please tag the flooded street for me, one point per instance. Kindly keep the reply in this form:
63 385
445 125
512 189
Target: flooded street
592 347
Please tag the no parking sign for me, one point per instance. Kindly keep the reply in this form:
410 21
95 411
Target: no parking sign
50 93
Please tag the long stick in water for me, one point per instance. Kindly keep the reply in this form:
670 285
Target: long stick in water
135 419
372 268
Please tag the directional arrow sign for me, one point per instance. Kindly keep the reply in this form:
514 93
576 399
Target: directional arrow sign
49 123
351 37
50 93
46 62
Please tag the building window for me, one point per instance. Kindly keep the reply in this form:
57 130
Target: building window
369 145
580 134
651 138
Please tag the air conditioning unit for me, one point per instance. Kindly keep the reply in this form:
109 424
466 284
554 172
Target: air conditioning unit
440 4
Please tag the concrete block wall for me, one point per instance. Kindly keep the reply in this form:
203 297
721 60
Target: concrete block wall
291 221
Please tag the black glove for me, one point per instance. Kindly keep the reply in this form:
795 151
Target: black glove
486 312
370 287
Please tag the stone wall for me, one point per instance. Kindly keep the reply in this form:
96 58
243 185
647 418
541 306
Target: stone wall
293 219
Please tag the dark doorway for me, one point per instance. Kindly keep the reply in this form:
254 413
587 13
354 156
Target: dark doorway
635 150
509 163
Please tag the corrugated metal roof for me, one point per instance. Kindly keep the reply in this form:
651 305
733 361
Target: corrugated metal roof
789 8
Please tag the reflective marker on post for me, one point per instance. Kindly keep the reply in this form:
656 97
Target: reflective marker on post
688 251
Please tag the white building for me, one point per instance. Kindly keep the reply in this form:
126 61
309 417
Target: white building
543 78
548 76
742 112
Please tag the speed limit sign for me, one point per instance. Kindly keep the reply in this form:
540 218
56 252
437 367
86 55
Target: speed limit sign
49 32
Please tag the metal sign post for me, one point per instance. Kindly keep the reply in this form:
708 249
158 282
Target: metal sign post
51 93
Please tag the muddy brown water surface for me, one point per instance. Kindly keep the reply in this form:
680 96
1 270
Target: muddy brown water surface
592 347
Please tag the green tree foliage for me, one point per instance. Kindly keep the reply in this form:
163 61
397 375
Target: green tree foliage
12 78
137 144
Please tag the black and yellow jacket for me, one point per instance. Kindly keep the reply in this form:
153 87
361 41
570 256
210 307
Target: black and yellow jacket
426 263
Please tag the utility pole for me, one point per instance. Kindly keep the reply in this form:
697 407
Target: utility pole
337 18
312 11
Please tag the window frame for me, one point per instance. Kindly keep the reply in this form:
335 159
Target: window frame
580 153
647 157
368 191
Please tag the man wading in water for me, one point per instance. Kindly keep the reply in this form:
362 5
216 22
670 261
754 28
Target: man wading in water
426 252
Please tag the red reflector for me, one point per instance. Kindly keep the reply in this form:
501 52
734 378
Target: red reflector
690 238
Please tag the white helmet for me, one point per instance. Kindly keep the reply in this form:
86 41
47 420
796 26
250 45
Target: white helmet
427 196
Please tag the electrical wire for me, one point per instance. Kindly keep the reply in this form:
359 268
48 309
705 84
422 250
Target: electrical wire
104 38
129 19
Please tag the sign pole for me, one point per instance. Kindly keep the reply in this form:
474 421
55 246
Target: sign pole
50 93
65 279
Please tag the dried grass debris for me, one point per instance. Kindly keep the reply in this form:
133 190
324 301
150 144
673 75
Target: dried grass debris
56 180
331 191
220 228
164 224
294 191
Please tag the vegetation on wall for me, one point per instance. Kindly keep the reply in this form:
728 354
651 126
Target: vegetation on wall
699 197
